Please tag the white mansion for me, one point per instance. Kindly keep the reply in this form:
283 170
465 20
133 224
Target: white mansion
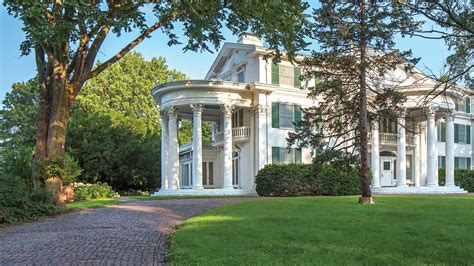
252 103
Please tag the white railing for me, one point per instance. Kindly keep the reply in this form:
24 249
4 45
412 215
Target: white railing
238 133
391 138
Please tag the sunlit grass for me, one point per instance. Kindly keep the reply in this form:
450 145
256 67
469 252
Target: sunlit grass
330 230
95 203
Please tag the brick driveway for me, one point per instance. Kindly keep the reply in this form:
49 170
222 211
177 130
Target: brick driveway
133 232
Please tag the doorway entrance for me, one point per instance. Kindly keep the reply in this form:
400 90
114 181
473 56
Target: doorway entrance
387 177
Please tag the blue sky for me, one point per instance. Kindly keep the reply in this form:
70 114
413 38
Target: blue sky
17 68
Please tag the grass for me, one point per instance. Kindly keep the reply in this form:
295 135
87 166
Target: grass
330 230
95 203
145 197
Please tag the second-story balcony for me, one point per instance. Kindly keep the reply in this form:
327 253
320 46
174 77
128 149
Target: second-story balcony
391 138
239 135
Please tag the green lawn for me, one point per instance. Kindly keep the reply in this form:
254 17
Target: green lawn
331 230
95 203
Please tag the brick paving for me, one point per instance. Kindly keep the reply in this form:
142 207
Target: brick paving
132 233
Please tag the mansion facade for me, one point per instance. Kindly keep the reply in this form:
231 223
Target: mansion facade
251 105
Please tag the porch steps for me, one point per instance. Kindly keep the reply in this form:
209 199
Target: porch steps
418 190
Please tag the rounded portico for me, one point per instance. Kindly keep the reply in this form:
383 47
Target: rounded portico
215 168
405 153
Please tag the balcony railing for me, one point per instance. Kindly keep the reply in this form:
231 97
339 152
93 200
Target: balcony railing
239 134
391 138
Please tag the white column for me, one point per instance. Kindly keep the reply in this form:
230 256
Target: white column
197 146
227 113
401 153
416 158
432 150
375 155
261 127
173 152
450 150
164 149
423 157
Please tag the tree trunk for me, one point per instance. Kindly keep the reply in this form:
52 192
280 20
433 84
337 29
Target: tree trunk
363 131
53 117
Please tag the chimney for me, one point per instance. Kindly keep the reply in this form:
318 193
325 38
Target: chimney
248 38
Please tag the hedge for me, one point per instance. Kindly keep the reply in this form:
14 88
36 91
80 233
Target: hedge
305 180
463 178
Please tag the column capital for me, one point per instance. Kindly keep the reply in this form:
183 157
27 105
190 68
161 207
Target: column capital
227 109
172 111
197 108
430 111
450 116
375 125
259 109
164 113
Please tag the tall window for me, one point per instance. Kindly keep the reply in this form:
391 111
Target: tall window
462 134
286 116
286 75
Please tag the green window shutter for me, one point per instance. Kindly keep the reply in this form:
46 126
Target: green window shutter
456 133
275 155
443 161
467 105
456 162
275 74
443 132
297 116
275 115
298 156
297 81
468 134
468 159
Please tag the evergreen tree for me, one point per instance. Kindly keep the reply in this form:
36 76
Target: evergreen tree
345 77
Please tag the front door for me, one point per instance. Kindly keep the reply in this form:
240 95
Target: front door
387 172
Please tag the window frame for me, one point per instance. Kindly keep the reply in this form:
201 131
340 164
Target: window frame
292 117
290 77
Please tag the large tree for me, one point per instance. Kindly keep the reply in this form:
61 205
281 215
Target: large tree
114 128
66 37
346 77
454 23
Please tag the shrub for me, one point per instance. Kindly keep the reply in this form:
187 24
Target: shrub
462 177
93 191
301 180
65 167
19 202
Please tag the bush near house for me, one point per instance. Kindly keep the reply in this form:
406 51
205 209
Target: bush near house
462 177
93 191
305 180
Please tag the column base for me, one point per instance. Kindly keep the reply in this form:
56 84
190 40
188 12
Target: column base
432 185
198 187
228 187
402 185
